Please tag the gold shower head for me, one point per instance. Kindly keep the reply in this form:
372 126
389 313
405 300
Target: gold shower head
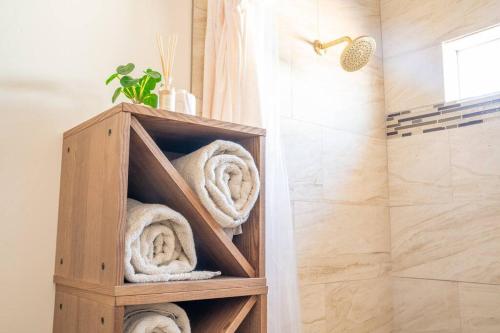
356 54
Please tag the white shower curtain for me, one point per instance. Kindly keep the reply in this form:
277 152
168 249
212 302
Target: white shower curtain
241 85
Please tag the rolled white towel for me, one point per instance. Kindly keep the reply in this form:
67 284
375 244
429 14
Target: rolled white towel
225 178
158 318
159 245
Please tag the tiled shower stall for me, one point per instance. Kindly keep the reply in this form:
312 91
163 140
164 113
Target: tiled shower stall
395 194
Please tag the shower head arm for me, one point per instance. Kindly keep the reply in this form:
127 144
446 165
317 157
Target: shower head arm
321 47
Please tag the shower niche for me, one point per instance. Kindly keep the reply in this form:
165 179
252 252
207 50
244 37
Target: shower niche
125 152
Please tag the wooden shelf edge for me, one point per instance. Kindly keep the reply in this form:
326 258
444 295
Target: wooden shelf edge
135 289
131 289
91 295
96 119
144 111
240 263
86 286
189 296
177 291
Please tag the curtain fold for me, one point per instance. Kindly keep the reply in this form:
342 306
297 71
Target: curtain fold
241 85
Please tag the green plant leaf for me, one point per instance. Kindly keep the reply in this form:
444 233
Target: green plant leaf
126 92
128 81
147 84
153 74
151 100
125 69
111 78
116 94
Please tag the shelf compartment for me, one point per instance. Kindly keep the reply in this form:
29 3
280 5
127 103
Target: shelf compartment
228 317
125 152
77 311
177 134
153 179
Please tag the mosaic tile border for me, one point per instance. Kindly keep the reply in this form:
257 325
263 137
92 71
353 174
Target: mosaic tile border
443 116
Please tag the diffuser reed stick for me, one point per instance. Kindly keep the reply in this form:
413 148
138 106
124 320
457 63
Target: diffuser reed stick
167 60
167 93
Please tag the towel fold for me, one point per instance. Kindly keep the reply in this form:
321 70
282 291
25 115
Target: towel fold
159 245
158 318
225 178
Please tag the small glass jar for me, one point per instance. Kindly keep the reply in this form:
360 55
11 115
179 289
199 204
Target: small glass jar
167 99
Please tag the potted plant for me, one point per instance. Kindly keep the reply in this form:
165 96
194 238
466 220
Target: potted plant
138 90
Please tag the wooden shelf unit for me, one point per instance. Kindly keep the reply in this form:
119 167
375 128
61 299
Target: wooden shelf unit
124 152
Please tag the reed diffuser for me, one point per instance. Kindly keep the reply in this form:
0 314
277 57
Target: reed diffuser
167 92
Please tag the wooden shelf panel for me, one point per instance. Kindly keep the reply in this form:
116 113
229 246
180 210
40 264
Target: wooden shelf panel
189 295
153 179
186 286
165 123
176 291
92 202
169 120
131 289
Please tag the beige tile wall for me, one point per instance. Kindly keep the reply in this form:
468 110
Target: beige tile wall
333 134
413 32
444 186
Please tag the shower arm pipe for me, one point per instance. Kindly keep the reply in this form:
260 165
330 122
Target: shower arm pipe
321 47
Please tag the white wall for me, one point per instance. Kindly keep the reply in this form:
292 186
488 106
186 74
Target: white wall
54 58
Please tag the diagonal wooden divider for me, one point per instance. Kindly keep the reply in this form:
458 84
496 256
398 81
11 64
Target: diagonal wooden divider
152 178
227 318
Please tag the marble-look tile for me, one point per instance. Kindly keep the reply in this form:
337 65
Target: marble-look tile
300 37
409 25
480 308
413 32
475 161
322 92
419 169
359 306
425 306
311 86
325 94
302 146
358 18
313 308
479 14
354 168
304 191
413 79
459 242
326 229
342 267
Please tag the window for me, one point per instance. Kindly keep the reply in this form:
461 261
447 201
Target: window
472 65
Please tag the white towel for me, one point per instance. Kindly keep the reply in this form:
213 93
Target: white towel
225 178
185 102
158 318
159 245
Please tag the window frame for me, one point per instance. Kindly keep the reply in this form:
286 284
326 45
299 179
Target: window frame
451 50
